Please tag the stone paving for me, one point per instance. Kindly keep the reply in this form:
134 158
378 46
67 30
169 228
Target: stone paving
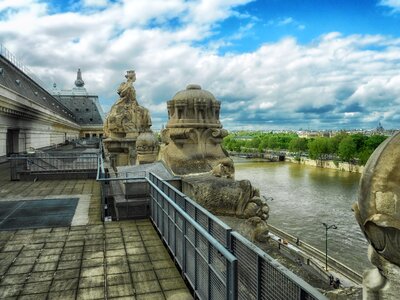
114 260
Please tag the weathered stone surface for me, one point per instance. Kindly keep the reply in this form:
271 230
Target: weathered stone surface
146 148
129 139
378 213
223 196
194 134
127 118
256 229
351 293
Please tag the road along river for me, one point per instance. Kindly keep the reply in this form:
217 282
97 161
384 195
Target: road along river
303 198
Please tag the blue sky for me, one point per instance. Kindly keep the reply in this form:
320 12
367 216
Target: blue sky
274 64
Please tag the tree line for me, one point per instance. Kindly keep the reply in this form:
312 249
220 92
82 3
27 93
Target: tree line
353 148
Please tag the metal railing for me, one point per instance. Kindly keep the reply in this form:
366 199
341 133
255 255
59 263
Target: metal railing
262 277
13 59
208 266
258 275
217 262
44 163
213 225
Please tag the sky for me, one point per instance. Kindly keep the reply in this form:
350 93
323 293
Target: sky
273 64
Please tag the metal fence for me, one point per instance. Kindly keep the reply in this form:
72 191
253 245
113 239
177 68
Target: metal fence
213 225
217 262
208 266
258 275
262 277
59 163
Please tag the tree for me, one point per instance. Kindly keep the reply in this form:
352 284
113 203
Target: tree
319 148
364 155
347 149
298 145
374 141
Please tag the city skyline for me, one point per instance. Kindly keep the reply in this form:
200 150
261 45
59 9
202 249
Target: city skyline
273 64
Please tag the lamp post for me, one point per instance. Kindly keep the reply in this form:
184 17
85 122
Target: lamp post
327 227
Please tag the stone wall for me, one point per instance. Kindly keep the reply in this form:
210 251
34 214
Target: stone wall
328 164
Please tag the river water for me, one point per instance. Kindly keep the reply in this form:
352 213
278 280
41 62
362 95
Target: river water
303 198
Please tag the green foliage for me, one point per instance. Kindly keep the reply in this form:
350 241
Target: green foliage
347 149
364 155
342 146
298 145
320 148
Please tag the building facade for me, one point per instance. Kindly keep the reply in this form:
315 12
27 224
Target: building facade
31 117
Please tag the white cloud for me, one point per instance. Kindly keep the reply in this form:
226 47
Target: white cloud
95 3
283 83
286 21
394 5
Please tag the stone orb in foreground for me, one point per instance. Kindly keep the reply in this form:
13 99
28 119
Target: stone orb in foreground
378 208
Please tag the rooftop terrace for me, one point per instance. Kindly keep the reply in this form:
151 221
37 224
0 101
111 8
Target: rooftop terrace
86 260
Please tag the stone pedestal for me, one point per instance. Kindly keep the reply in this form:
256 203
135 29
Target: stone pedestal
121 152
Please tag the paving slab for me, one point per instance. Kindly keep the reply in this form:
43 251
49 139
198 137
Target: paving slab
117 260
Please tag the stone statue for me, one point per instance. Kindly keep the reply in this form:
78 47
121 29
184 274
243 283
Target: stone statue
192 149
228 197
129 139
127 118
194 134
146 148
378 213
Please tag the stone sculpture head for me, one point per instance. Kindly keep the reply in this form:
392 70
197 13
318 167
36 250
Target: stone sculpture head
131 75
378 207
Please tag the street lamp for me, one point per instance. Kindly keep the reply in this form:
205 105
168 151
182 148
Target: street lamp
327 227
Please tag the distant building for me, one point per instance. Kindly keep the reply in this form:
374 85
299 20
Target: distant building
34 117
380 128
85 107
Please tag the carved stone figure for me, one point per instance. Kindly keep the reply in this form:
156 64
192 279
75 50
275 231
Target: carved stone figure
378 213
228 197
194 134
127 118
127 128
192 139
146 148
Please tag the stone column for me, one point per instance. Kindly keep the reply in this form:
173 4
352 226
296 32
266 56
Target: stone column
3 141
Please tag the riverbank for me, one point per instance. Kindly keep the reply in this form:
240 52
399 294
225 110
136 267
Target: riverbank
326 164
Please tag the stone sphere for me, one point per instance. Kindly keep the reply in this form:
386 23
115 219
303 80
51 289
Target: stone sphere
378 207
194 91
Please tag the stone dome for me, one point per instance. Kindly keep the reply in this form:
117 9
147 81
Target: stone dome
194 91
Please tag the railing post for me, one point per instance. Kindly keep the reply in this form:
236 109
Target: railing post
259 277
232 280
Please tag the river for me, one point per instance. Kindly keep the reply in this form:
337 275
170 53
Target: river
303 198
